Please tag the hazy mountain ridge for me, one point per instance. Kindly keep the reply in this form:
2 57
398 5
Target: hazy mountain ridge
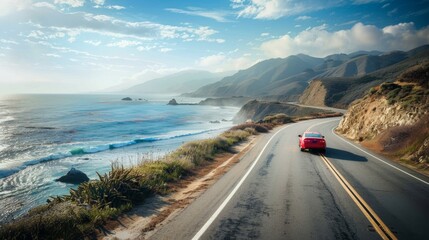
181 82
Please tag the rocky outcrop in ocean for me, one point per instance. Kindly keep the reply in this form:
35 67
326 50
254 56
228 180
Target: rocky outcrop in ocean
74 176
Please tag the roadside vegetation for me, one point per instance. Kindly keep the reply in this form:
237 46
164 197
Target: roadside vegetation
409 90
85 209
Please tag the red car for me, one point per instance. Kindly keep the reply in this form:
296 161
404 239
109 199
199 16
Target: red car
312 140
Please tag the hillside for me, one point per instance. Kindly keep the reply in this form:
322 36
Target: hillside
228 101
392 117
341 91
181 82
278 76
364 64
257 110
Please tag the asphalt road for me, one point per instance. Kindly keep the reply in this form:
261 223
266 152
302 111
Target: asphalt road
278 192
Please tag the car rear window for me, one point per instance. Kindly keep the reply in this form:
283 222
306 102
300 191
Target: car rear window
315 135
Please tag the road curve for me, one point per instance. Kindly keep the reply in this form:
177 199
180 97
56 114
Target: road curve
278 192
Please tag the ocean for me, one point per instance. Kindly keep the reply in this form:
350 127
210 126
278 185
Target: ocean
43 136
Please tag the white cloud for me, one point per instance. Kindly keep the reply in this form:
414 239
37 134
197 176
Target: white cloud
94 43
82 54
265 34
237 3
145 48
38 34
99 2
5 41
385 5
164 50
52 55
44 4
124 43
274 9
359 2
10 6
392 12
109 26
302 18
318 41
116 7
71 3
221 63
219 16
211 60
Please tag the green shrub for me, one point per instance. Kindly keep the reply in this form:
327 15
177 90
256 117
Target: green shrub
155 175
113 189
261 128
388 86
393 94
280 118
372 91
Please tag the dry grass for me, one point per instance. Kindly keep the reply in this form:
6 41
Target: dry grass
405 144
402 141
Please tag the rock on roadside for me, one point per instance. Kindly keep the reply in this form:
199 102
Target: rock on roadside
74 176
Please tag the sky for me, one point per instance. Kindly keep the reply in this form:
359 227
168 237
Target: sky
72 46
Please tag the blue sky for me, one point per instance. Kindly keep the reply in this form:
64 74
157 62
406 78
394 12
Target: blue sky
87 45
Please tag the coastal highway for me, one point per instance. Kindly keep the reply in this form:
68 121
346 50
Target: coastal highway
278 192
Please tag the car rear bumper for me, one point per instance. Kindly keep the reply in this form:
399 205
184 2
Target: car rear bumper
314 146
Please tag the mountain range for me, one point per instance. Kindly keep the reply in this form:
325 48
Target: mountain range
178 83
285 79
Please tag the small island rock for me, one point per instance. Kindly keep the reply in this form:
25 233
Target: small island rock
127 99
74 176
172 102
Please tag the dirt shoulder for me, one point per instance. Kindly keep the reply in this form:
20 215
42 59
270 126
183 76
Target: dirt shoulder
375 146
142 221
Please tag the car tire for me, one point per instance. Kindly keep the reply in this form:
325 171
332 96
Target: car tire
302 149
323 151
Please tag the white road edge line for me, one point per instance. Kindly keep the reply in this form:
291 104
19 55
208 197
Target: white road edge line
379 159
225 202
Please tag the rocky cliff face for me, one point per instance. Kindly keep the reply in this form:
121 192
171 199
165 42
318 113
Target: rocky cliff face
314 95
368 117
393 116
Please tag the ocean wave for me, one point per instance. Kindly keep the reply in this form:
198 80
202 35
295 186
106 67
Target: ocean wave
7 119
100 148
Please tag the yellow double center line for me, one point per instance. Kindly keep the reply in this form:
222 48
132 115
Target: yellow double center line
373 218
